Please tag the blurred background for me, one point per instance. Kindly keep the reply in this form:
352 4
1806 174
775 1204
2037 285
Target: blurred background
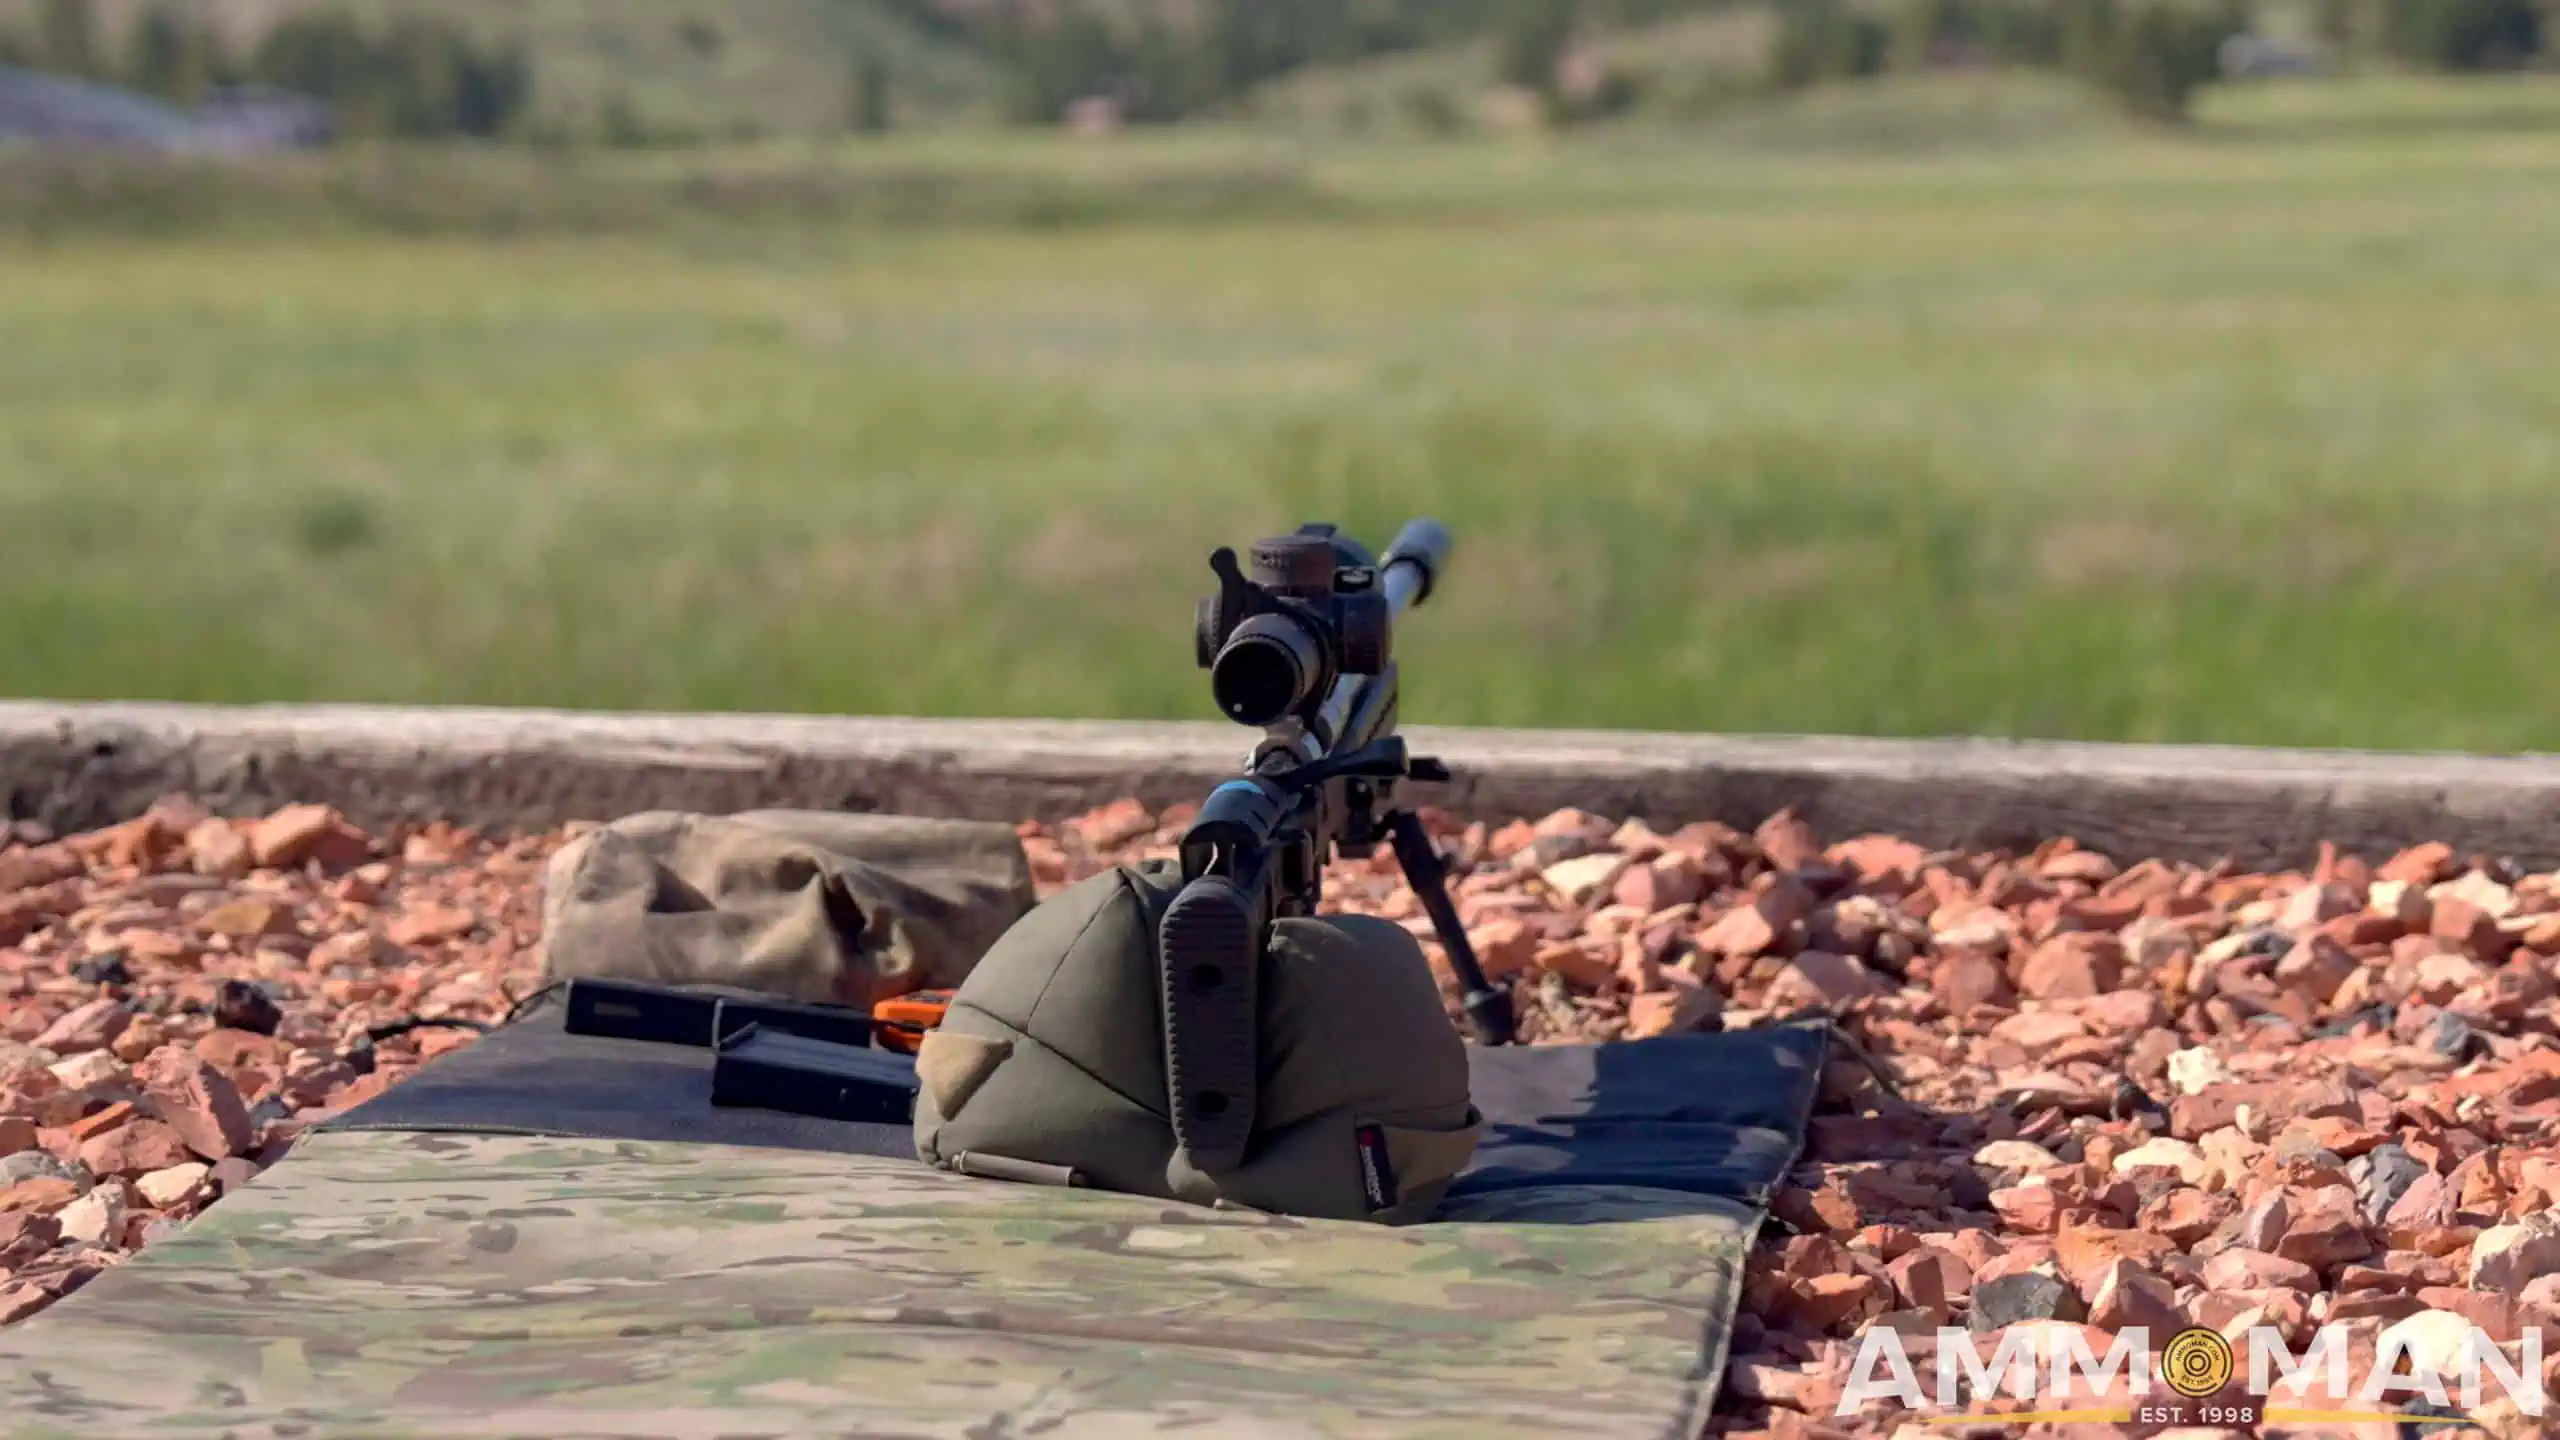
2108 369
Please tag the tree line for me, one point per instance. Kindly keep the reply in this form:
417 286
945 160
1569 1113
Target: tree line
2150 55
422 76
1159 68
419 77
2438 34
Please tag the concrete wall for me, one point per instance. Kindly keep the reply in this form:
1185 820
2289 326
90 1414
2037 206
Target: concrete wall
76 766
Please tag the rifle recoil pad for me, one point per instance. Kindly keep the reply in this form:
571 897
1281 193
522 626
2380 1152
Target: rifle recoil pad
1208 957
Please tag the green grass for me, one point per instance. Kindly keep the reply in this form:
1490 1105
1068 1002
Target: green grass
507 192
2246 435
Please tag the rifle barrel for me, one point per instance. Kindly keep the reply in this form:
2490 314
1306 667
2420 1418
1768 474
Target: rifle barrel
1411 566
1413 563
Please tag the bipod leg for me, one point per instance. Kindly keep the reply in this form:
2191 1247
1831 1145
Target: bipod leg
1487 1008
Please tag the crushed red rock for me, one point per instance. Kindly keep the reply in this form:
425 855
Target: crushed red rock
2122 1092
182 995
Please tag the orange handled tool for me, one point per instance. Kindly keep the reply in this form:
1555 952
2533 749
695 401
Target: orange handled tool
900 1024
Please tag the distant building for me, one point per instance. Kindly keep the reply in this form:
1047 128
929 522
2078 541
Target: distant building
2257 57
1094 115
59 112
52 110
251 118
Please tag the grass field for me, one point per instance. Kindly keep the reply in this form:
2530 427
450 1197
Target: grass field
2029 427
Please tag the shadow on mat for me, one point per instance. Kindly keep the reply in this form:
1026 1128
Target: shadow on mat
1720 1115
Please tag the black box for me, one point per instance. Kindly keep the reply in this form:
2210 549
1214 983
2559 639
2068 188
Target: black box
624 1010
771 1070
619 1010
833 1024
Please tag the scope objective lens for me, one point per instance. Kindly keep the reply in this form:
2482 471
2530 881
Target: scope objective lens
1268 670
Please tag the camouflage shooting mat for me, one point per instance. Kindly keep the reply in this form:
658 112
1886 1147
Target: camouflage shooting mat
387 1281
380 1283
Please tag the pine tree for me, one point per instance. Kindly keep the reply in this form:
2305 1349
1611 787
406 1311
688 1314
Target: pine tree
2089 39
68 38
1532 40
1918 29
489 88
621 125
165 58
870 100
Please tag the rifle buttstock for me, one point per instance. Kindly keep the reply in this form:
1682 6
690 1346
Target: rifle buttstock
1210 947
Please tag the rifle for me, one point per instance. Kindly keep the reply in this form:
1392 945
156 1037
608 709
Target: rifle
1302 649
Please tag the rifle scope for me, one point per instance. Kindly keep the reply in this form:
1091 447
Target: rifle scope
1324 610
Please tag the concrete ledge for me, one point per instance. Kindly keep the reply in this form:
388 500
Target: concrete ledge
77 766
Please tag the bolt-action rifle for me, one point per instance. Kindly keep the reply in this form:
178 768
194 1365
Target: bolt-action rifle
1301 648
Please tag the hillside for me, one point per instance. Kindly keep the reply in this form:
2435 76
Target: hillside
670 71
1682 66
704 69
708 68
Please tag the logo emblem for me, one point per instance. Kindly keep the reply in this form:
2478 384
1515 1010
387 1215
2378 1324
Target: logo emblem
2198 1363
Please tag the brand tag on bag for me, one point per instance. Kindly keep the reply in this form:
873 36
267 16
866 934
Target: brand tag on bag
1377 1173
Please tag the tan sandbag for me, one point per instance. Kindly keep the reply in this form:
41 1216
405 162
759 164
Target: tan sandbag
824 907
1051 1063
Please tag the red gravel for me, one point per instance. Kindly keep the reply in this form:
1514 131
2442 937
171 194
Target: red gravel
2144 1094
181 995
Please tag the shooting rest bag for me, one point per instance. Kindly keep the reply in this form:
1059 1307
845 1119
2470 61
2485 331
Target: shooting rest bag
1049 1066
821 907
